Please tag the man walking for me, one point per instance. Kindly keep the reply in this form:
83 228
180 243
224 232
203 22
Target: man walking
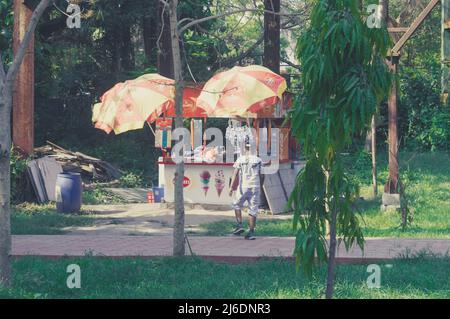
248 167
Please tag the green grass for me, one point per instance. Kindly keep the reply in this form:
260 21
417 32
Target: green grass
98 196
427 181
34 219
195 278
30 219
278 228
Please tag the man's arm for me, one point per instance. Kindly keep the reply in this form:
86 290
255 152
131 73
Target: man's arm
233 180
261 175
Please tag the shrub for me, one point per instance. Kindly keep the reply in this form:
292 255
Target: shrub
18 176
132 180
423 120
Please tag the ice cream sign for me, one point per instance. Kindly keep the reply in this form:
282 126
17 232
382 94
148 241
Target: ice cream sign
206 180
219 182
186 181
205 176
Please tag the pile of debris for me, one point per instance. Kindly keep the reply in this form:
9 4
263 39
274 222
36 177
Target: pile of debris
51 160
91 169
37 182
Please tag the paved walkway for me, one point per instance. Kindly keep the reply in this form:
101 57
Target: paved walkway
230 249
152 219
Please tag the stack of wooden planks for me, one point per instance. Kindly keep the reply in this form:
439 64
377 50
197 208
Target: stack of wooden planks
91 169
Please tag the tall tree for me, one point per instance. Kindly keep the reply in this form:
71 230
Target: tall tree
272 30
23 99
164 41
179 235
7 79
384 12
344 78
150 31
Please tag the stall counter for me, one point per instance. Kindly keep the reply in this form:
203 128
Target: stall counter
203 183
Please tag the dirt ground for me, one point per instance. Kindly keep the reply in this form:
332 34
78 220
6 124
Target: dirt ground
150 219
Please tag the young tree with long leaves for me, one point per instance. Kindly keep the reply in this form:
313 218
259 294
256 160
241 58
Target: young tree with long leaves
344 79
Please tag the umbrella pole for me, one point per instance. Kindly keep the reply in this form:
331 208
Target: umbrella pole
269 136
151 128
257 135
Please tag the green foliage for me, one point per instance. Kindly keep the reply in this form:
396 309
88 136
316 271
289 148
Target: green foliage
98 196
131 180
344 79
18 167
363 161
424 121
6 24
133 152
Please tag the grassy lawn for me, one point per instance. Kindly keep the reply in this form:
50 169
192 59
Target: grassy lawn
30 219
427 180
196 278
34 219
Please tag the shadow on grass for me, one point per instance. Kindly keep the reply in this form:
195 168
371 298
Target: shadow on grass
279 228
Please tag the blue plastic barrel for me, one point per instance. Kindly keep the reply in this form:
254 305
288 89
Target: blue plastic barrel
68 192
158 193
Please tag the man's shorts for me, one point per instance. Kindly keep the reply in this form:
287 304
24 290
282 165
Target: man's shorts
250 195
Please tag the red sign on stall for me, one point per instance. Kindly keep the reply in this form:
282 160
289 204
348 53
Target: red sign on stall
186 182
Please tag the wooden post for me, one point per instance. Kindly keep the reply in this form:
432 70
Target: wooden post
391 186
23 98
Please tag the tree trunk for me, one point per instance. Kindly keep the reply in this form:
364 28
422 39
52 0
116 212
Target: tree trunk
23 100
272 36
368 142
127 49
178 230
6 91
384 4
149 28
116 56
165 55
374 156
5 187
331 255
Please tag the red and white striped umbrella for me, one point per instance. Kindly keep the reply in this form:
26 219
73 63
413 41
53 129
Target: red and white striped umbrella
128 105
241 92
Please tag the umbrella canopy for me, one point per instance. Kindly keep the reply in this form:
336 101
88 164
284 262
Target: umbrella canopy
241 92
190 107
128 105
